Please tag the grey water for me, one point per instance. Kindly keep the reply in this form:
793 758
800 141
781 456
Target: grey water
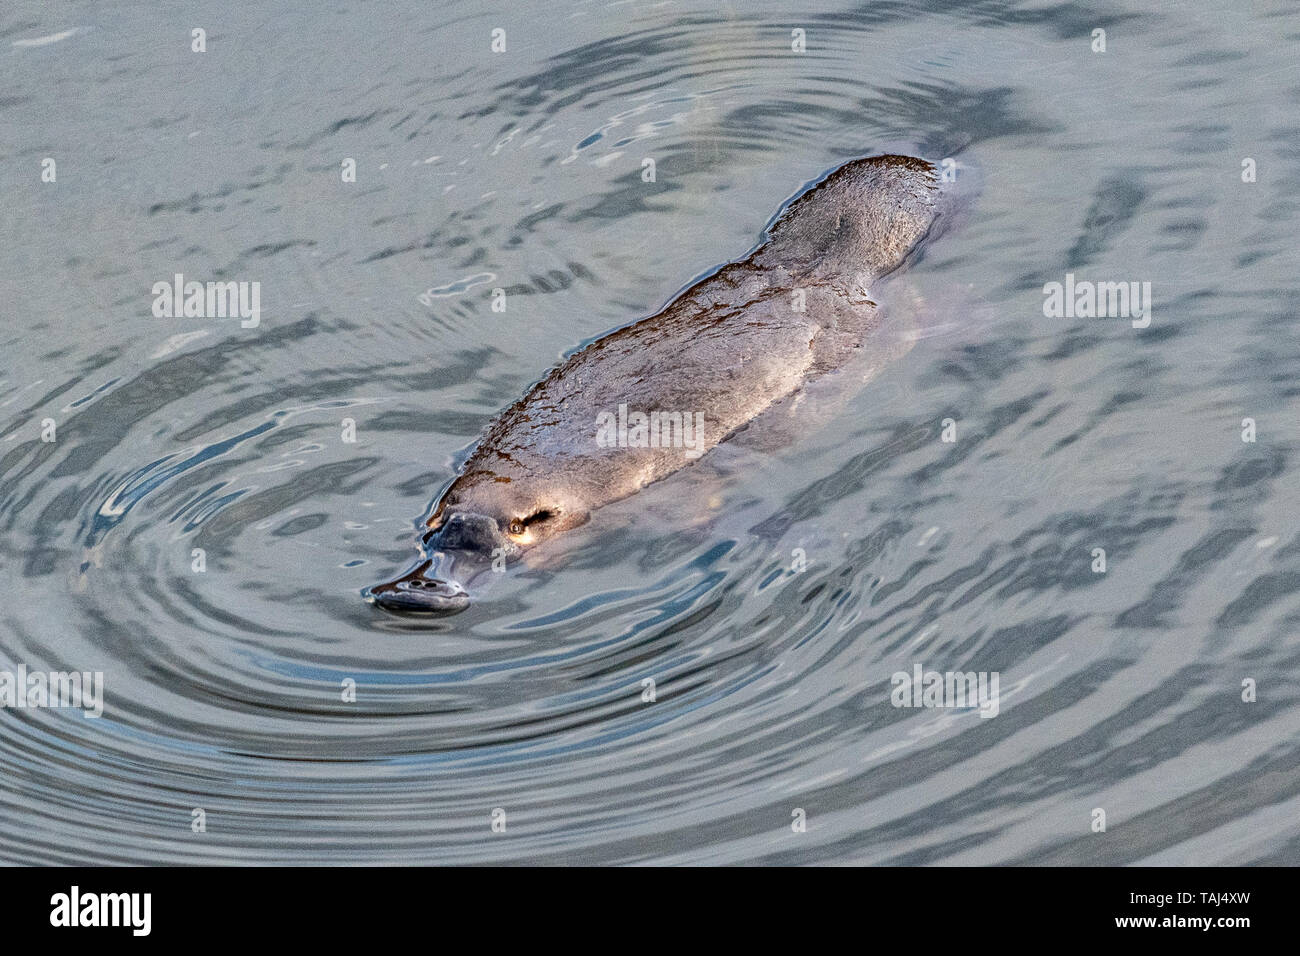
1103 515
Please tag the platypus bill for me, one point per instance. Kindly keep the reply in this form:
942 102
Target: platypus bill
650 398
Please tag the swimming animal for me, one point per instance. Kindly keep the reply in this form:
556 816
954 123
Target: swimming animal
650 398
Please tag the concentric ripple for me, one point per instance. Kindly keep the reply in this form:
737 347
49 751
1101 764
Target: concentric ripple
716 654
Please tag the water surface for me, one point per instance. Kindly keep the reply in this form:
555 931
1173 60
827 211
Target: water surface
522 170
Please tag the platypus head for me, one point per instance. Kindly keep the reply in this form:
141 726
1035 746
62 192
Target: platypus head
482 521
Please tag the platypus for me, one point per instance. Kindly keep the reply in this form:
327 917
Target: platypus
649 399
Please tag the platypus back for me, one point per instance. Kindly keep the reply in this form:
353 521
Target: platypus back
720 354
857 224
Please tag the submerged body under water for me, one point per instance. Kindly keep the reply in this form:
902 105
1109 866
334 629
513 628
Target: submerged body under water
1043 565
767 345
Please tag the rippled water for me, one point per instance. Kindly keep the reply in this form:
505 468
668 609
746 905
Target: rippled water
522 170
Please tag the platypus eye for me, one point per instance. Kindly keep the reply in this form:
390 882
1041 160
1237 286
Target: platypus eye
517 525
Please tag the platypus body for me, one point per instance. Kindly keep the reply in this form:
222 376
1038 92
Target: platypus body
649 399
